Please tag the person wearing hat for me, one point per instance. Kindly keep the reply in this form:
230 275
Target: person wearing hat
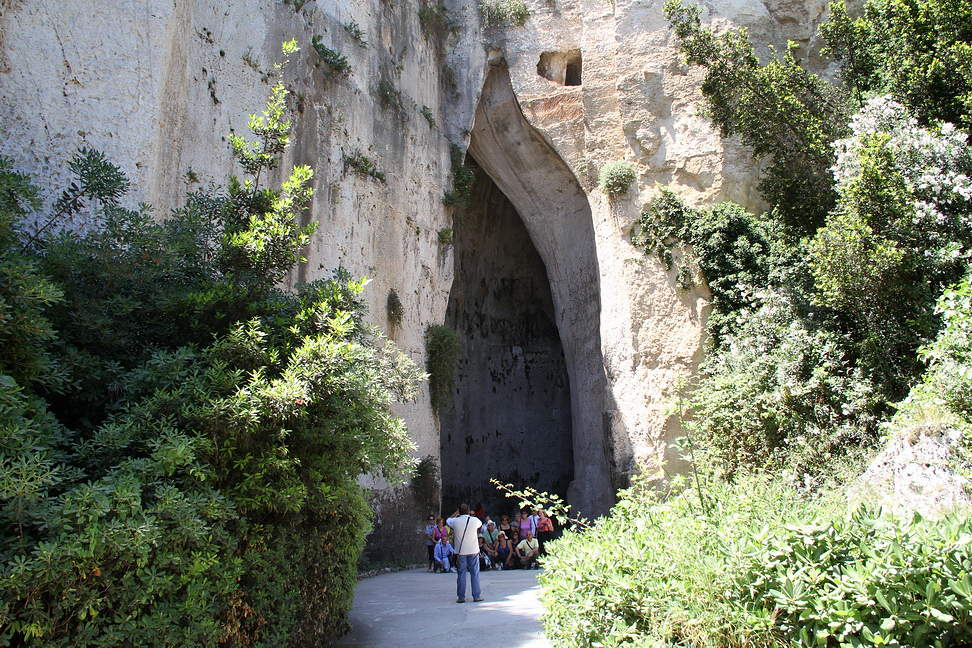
490 534
465 529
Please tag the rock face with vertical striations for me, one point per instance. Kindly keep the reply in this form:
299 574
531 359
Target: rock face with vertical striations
574 340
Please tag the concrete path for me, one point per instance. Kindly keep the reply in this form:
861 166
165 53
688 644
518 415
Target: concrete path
417 609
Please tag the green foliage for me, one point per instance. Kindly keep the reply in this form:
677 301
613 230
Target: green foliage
530 498
616 177
733 249
779 109
783 391
394 308
333 60
362 164
445 236
354 31
389 96
664 572
441 359
425 483
180 438
868 580
429 117
271 128
899 236
766 565
436 23
463 178
948 381
917 50
496 13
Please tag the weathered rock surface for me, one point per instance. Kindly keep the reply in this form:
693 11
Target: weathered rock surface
920 471
157 85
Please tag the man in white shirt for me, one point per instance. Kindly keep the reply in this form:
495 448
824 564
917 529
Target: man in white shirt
465 531
528 551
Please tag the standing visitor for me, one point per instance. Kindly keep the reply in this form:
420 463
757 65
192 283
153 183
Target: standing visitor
441 530
430 540
545 531
504 552
465 527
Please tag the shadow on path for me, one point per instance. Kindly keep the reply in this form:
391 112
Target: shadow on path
415 608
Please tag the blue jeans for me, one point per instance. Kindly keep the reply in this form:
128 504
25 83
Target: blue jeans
470 563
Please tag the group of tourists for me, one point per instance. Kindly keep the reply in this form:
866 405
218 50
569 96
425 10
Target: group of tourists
470 543
515 544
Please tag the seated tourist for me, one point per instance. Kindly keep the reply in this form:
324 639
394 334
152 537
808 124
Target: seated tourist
528 551
504 552
491 552
490 533
443 555
485 561
505 526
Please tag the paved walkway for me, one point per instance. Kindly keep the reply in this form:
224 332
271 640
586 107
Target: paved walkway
417 609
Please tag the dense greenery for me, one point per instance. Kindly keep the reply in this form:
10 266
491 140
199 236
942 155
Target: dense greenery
759 564
181 438
842 312
779 109
615 177
441 359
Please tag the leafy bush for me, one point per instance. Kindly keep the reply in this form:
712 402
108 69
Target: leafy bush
753 564
335 61
735 251
616 177
181 439
948 382
503 12
779 109
898 238
441 359
362 164
463 178
665 572
917 51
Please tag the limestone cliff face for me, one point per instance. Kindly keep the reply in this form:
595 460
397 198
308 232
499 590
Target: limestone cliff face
158 84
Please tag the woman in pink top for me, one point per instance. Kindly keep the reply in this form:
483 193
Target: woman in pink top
441 530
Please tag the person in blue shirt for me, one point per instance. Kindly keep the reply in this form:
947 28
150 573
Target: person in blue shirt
430 541
443 556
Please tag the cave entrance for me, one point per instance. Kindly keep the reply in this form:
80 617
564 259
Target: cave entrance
510 415
547 202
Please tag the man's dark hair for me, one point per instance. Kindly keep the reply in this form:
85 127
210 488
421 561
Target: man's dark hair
463 509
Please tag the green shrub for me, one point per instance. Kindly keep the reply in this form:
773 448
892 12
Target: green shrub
503 12
616 177
463 178
665 572
362 164
441 360
946 384
335 61
445 236
394 308
180 438
869 580
757 563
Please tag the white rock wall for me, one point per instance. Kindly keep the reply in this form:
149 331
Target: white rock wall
157 85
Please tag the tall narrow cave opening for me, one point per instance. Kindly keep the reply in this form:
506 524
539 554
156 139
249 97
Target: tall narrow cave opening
510 417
